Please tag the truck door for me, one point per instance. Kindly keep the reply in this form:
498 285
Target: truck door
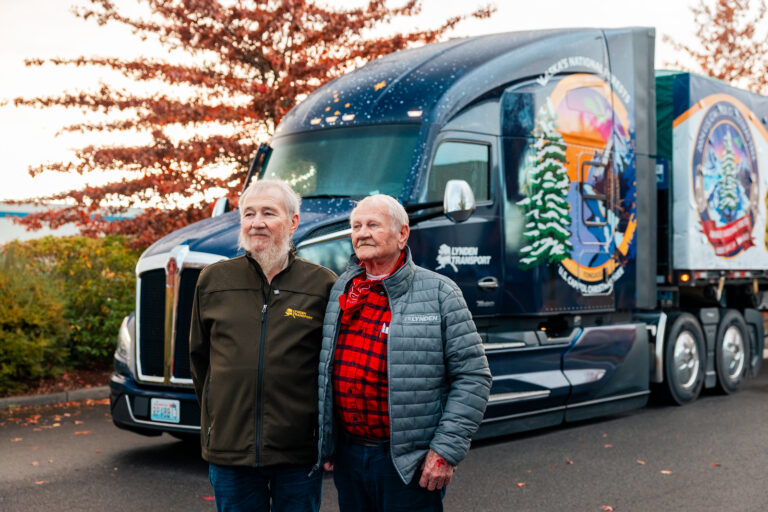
468 252
595 227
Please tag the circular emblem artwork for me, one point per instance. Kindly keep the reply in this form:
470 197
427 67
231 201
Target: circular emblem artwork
725 179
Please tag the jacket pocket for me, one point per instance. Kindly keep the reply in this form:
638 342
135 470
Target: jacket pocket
230 409
208 422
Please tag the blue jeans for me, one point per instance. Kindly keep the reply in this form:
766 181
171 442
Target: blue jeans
287 487
367 481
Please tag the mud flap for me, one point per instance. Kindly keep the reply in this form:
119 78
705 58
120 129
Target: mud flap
756 338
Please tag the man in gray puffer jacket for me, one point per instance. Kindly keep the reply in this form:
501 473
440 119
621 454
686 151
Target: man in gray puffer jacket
403 379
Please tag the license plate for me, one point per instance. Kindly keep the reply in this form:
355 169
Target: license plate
165 410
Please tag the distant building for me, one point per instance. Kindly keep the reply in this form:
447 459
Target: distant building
9 230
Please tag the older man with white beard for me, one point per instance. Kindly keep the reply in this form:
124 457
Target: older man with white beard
403 376
254 348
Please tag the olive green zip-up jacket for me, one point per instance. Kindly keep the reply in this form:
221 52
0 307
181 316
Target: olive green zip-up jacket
254 352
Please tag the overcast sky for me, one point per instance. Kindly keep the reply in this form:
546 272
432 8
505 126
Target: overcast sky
46 28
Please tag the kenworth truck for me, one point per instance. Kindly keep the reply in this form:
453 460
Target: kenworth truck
605 222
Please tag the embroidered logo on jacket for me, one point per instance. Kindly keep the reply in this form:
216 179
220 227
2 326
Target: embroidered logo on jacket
295 313
421 319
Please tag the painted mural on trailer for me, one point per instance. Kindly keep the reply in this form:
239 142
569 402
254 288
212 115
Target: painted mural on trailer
725 179
719 140
578 184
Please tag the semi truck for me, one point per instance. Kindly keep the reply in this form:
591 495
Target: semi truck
606 222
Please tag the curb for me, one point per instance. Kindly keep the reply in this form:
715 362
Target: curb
75 395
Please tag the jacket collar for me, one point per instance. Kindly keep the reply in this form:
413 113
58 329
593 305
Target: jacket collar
396 284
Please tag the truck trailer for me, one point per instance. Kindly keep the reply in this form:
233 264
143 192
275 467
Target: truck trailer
605 222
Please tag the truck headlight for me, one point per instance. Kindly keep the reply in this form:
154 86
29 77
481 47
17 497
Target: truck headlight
126 340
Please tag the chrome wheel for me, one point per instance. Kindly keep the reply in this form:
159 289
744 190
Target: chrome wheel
732 353
686 360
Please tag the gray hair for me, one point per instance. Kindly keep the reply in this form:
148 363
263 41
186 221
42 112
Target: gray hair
396 211
291 199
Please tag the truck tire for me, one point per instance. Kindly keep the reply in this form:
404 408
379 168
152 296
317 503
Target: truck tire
732 352
684 359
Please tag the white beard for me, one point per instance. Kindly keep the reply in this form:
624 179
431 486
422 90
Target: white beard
273 257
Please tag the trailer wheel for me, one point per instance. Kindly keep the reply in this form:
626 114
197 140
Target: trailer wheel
731 352
684 359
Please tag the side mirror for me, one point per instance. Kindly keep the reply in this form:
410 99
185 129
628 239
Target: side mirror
221 207
458 201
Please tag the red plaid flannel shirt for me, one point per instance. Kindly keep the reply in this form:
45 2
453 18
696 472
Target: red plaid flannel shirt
360 381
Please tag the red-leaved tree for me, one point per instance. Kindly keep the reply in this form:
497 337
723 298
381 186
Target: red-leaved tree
732 38
248 63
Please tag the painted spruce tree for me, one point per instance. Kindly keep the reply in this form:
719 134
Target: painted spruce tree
728 181
547 228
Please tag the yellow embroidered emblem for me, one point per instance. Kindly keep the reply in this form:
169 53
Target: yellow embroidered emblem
295 313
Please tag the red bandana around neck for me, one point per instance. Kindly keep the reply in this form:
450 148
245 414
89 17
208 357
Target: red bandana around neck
357 294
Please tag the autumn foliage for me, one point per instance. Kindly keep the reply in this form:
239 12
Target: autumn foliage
732 40
62 299
234 69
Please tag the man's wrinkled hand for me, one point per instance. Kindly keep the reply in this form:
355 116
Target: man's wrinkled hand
436 472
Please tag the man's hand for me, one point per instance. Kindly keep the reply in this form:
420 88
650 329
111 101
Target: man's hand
328 466
435 471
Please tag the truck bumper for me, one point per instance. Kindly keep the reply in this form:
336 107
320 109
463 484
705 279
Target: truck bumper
130 403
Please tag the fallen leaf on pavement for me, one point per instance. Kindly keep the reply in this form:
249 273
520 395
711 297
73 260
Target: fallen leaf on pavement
16 420
666 472
37 429
607 446
78 422
56 425
521 484
96 451
715 464
605 435
35 463
83 433
641 462
35 447
40 482
16 439
207 498
569 461
607 508
50 461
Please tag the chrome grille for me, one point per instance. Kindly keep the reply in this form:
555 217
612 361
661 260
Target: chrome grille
152 313
180 368
151 342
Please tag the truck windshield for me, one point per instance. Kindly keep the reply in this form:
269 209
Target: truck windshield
345 162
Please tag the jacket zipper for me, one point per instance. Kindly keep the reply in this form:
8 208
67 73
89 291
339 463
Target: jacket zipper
329 386
260 376
207 409
389 375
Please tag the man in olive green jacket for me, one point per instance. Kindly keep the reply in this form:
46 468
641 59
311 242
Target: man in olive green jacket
254 350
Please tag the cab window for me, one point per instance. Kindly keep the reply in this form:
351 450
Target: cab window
466 161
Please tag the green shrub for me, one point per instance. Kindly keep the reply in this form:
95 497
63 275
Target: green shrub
96 279
33 331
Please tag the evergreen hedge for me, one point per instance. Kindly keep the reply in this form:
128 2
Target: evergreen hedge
61 304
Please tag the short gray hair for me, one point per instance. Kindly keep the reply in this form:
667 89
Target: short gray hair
396 211
291 199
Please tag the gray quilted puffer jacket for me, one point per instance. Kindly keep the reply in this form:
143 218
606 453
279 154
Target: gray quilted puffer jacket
439 379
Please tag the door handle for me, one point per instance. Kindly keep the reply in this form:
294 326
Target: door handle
488 283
